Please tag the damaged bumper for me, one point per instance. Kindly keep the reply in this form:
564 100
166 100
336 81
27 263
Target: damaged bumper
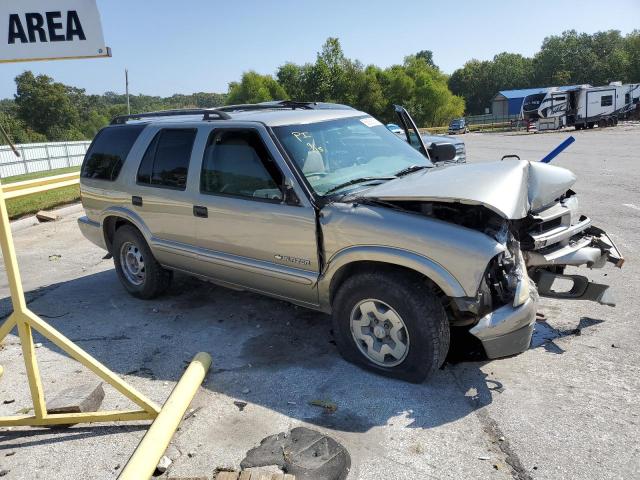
508 329
559 240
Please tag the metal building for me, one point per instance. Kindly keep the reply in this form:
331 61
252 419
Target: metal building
509 102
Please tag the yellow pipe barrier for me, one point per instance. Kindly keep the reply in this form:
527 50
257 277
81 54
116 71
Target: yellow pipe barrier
144 460
38 185
167 419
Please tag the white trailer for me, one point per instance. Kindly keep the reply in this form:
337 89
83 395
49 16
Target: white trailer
584 106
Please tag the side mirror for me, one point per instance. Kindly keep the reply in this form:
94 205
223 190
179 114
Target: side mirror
442 152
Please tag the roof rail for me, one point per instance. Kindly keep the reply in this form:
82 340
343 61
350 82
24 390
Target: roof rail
207 114
269 106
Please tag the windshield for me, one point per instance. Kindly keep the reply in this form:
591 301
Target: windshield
336 152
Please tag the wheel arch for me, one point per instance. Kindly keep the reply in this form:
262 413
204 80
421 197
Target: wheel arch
114 218
356 259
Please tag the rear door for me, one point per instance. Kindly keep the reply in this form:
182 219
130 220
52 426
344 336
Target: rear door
248 231
160 196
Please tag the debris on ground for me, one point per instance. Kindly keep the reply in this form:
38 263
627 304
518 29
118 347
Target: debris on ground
484 457
7 402
328 406
240 405
4 472
245 391
163 464
302 452
44 216
55 257
85 397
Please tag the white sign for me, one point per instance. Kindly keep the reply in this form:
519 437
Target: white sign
50 29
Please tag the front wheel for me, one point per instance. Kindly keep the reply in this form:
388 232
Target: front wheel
138 270
391 324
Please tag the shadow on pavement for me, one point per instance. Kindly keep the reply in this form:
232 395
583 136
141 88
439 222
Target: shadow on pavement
11 439
266 352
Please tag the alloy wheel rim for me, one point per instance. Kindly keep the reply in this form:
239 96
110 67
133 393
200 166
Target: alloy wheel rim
379 332
132 263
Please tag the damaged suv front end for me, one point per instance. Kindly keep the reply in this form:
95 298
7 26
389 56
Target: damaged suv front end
529 208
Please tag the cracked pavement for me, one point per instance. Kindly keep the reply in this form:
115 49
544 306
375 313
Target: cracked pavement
566 408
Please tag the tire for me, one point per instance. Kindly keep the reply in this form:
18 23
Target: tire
590 125
425 326
151 279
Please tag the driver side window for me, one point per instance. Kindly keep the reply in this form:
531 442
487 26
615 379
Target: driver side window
237 163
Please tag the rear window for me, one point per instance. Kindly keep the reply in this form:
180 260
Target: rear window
108 152
166 161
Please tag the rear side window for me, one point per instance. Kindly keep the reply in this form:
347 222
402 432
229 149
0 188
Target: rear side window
606 101
166 161
108 152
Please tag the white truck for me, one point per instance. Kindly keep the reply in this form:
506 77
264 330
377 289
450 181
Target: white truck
582 106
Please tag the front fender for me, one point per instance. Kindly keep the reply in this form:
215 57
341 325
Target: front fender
389 255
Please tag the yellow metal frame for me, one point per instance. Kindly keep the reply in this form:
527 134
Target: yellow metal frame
167 418
38 185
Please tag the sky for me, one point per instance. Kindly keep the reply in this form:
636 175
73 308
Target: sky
198 45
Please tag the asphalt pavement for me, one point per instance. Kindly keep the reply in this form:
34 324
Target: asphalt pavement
566 409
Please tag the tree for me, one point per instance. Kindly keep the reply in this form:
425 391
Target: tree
632 48
255 88
579 58
478 81
45 106
427 56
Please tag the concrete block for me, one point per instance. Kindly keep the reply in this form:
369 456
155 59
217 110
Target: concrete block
81 398
44 216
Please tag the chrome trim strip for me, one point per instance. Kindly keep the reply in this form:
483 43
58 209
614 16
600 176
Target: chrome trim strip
294 275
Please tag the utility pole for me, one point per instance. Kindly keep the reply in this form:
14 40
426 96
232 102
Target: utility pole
126 81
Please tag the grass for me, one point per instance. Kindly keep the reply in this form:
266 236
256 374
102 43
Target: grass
22 206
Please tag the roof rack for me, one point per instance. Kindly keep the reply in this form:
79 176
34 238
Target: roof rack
207 114
269 106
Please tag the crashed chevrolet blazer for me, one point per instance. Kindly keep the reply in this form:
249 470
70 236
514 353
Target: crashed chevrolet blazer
322 206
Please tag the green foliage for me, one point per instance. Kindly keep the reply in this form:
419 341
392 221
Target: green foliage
255 88
44 110
417 84
568 59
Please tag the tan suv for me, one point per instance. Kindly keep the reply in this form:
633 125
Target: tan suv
321 205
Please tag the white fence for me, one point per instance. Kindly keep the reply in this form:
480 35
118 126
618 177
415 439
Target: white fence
39 157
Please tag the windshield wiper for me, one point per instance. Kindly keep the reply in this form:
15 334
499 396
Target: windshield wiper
356 181
411 169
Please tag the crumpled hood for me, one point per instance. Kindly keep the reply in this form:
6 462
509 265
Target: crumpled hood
511 188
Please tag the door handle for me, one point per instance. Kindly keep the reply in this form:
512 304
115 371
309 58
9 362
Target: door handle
200 211
136 200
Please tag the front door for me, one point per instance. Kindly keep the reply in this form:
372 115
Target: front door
248 232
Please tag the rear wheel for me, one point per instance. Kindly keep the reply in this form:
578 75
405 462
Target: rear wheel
391 324
138 270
